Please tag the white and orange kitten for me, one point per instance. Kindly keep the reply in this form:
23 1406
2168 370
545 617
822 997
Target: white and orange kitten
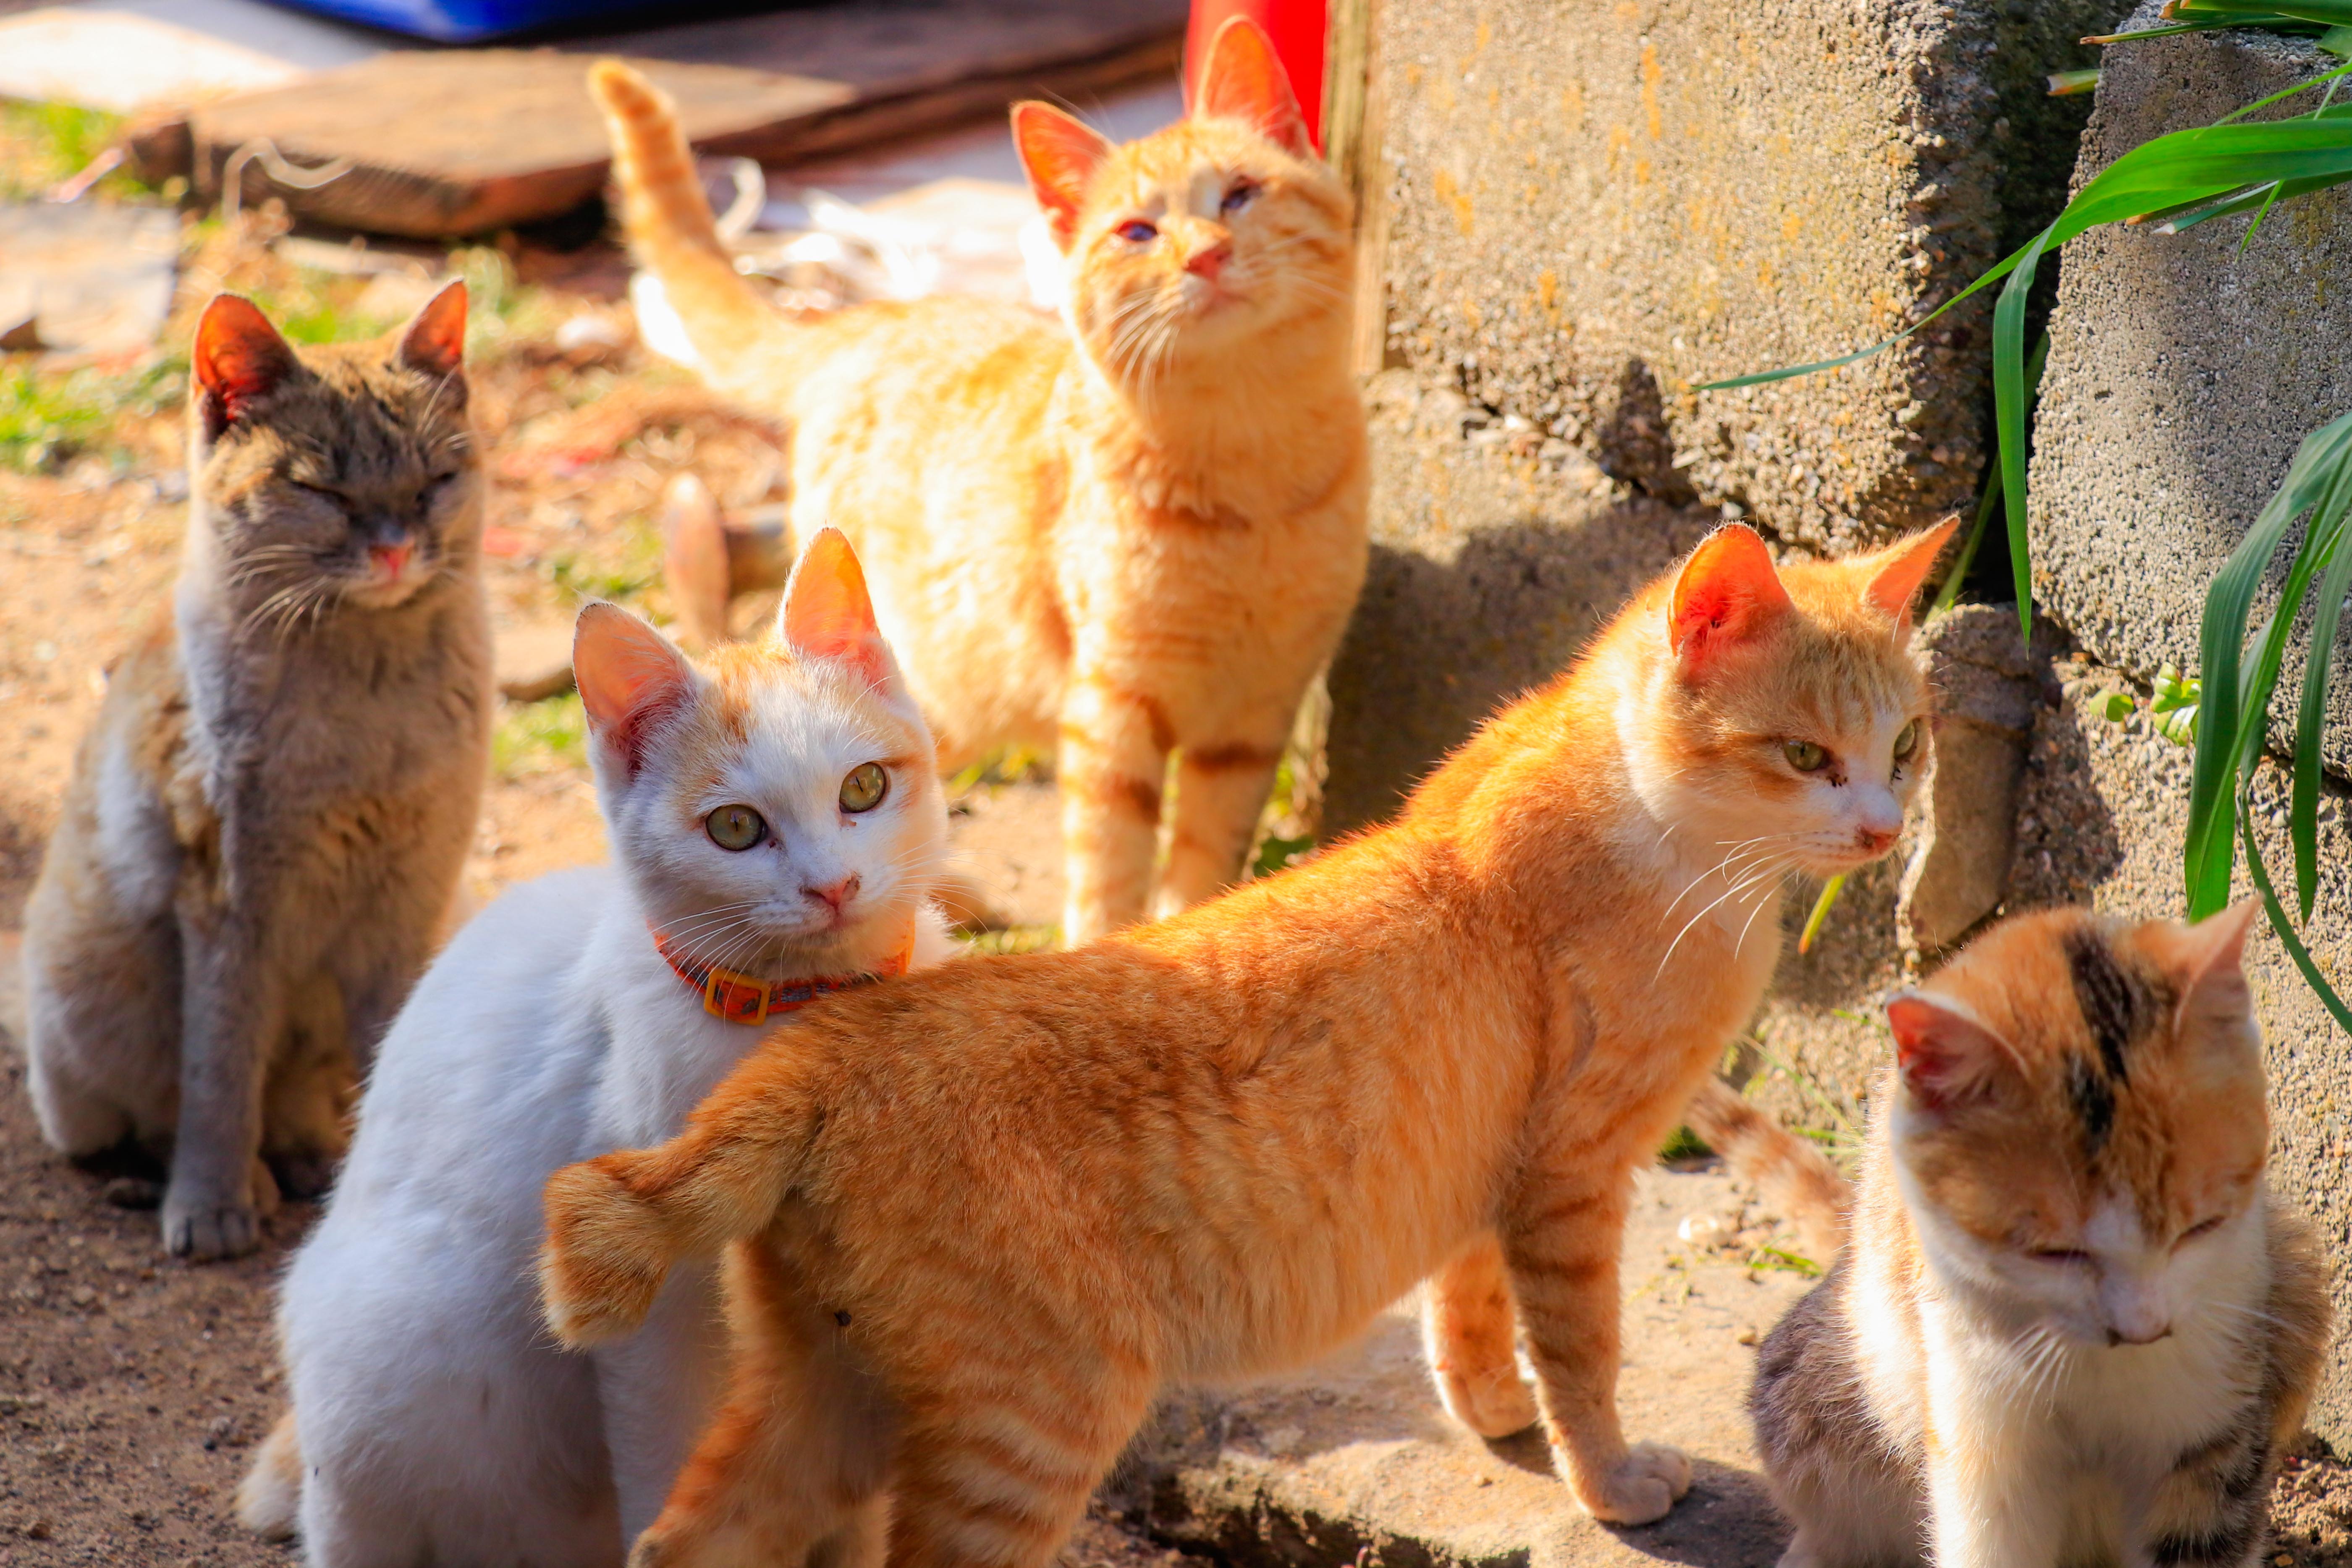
775 814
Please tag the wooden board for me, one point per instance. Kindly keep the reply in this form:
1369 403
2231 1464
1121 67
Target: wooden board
451 142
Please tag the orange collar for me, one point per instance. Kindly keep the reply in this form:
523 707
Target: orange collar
747 999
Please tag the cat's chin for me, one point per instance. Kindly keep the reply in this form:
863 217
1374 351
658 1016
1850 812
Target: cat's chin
372 595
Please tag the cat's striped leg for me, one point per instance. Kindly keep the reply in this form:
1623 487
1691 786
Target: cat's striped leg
793 1465
1561 1242
1113 758
995 1468
1221 791
2214 1510
1470 1334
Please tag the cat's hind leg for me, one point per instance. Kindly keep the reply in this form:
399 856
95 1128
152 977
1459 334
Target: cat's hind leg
102 1009
792 1466
1470 1335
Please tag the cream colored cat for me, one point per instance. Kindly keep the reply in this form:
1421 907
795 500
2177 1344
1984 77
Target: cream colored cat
1135 532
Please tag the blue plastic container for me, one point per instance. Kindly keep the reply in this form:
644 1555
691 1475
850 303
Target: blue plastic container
464 21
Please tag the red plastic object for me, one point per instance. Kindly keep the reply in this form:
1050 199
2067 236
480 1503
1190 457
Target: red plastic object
1296 28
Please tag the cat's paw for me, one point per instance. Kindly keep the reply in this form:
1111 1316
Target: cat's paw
203 1230
1494 1402
1642 1486
303 1177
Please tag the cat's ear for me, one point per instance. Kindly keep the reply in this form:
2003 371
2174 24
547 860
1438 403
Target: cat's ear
2207 964
630 679
1244 81
1728 592
238 357
827 612
435 343
1941 1048
1902 567
1060 156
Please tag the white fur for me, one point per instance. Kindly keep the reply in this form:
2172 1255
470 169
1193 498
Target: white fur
437 1420
2052 1439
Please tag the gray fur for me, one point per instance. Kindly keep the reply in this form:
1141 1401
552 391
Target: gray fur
270 817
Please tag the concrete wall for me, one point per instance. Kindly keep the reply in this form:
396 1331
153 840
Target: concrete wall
2184 372
1588 206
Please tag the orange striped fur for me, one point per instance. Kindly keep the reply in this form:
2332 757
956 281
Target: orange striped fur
982 1215
1135 532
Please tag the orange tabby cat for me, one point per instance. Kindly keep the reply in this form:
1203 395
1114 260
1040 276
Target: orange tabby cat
996 1208
1138 530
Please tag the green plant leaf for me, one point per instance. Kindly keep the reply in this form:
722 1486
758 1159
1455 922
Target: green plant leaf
2221 635
2287 936
1821 907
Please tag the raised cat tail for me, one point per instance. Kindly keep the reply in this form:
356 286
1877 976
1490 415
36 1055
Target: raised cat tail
616 1224
1795 1176
670 227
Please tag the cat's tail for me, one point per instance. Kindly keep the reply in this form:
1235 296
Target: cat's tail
671 230
1796 1177
616 1224
269 1498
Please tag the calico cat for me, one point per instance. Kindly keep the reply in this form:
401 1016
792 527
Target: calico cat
996 1208
1136 530
267 818
776 824
2072 1325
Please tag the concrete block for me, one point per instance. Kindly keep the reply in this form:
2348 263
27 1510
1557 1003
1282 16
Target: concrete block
2184 372
1355 1462
2104 812
1497 552
1590 208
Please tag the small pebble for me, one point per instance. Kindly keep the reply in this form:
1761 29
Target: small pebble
1746 1336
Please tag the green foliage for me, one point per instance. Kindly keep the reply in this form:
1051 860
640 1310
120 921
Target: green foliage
2229 739
46 420
539 737
1683 1144
1016 939
44 144
620 576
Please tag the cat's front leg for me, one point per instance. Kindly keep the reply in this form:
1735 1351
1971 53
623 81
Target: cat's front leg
233 1010
1470 1335
1993 1498
1221 789
1561 1241
1113 757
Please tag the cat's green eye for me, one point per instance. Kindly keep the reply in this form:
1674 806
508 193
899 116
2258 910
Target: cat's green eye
735 827
863 788
1805 757
1907 741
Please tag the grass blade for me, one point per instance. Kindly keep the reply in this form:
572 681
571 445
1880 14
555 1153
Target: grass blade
1821 906
2325 543
2221 635
2285 929
2009 398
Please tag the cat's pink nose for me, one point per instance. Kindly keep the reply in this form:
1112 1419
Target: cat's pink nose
1209 262
390 560
833 896
1874 840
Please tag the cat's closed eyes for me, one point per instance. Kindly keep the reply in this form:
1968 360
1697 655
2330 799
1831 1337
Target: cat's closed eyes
2069 1324
267 818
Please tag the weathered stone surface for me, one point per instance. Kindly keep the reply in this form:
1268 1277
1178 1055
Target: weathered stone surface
2105 810
1588 208
1355 1462
1497 553
1988 689
2184 372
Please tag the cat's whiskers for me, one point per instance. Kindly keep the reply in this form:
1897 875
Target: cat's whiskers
1773 869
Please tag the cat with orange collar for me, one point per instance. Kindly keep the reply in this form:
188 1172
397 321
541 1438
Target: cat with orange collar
777 829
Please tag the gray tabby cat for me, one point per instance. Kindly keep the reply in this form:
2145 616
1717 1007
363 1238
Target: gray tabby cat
267 821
